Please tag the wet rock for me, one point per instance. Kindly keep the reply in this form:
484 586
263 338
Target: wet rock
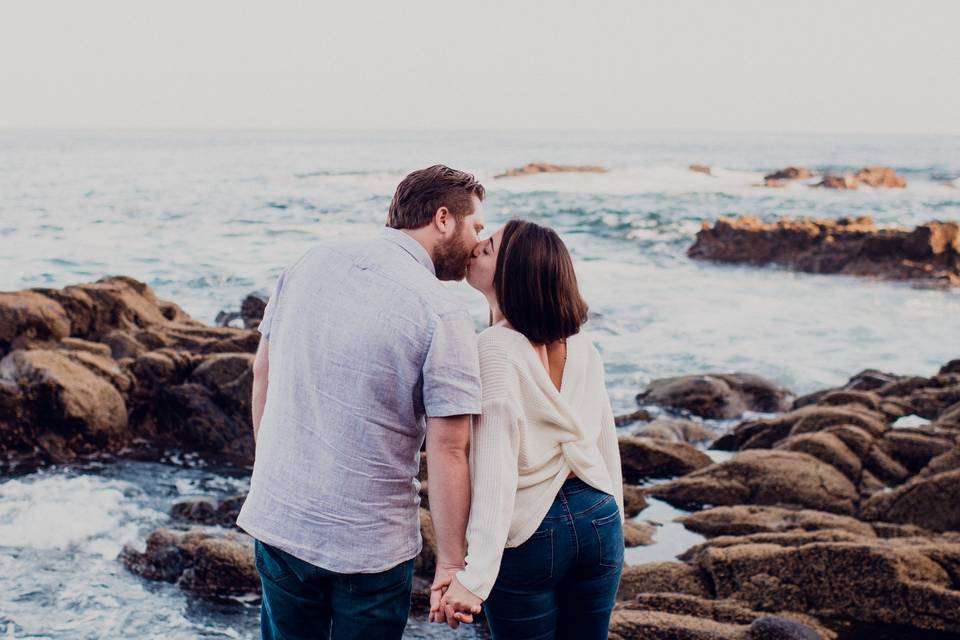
250 314
222 566
885 468
206 512
726 611
628 624
545 167
930 501
880 177
163 558
637 416
838 182
722 395
662 577
790 173
229 375
643 458
951 367
949 418
685 431
743 520
870 379
766 433
27 316
840 397
207 563
948 461
776 628
59 410
883 581
775 478
106 367
637 534
914 449
793 538
844 246
826 447
634 500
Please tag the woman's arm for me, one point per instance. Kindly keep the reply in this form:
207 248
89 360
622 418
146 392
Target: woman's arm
609 442
494 452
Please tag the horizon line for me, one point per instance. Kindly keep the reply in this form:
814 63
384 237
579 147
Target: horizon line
311 129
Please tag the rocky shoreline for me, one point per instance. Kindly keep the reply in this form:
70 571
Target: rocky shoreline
930 252
836 510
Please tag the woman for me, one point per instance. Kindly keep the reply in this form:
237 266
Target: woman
545 538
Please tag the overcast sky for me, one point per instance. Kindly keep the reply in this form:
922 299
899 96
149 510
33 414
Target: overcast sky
711 65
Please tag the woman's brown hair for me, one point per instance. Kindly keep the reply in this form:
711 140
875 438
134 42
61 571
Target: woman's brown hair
536 285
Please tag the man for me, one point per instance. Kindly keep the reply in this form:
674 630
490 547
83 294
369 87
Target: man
364 353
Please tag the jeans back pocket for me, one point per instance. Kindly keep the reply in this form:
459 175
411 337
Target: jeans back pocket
609 530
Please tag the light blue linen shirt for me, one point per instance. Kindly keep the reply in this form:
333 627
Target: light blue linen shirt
364 343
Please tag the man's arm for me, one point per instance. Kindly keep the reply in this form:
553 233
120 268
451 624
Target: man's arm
261 365
448 448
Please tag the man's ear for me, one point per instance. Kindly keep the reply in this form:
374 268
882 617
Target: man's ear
442 219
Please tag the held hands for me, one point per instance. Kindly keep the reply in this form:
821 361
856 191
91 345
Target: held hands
450 601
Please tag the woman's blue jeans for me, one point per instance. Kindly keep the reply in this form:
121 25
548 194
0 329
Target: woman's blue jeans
563 581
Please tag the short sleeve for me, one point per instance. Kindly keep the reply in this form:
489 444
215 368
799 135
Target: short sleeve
268 312
451 370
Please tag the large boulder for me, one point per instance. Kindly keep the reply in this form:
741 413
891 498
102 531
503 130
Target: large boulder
764 478
642 458
880 177
743 520
107 367
662 577
222 566
828 448
718 395
766 433
897 581
207 512
678 615
840 246
29 316
58 410
208 563
534 168
790 173
675 431
930 501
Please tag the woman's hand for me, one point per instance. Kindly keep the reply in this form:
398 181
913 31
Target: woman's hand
458 603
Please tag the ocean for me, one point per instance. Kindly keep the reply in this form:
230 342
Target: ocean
207 217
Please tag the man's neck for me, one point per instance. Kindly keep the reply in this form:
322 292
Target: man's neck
421 237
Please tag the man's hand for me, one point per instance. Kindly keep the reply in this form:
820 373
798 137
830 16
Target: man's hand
441 580
459 604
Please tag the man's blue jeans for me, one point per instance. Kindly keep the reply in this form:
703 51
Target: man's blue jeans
301 600
562 582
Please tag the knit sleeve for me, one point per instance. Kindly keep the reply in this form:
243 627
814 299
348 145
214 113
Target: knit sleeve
610 451
609 442
494 449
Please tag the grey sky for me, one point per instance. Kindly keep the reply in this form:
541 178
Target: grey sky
843 65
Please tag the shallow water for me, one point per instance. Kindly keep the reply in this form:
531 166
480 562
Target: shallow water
207 217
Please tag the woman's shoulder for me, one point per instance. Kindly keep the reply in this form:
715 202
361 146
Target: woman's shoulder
499 337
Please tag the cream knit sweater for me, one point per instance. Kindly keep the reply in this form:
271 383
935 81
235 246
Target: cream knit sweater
526 442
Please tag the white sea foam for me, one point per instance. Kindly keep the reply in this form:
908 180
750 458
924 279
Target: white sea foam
86 513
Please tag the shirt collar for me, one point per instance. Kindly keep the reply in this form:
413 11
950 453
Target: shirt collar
411 246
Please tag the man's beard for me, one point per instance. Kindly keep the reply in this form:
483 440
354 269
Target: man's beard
451 258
